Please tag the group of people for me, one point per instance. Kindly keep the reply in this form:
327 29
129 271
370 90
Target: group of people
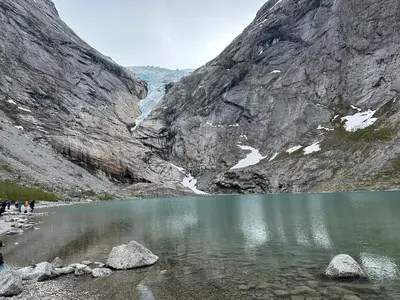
18 205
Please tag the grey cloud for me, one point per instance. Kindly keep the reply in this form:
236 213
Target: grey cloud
173 34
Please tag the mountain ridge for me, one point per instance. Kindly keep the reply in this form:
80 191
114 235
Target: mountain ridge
294 70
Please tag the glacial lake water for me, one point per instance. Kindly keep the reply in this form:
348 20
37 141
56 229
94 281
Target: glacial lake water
228 247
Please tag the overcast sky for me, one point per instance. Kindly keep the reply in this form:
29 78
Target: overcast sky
167 33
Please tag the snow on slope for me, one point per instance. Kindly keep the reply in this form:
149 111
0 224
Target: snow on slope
254 157
359 120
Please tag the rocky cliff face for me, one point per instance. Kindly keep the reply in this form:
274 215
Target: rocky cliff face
62 101
308 96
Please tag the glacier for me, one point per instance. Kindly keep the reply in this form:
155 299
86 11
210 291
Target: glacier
156 78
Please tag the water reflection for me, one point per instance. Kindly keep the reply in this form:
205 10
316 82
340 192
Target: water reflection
279 222
300 223
319 230
252 224
219 242
145 292
379 267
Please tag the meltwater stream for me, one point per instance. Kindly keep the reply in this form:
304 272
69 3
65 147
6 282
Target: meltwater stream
229 247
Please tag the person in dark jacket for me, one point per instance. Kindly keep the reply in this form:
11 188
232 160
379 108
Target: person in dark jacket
32 205
3 206
8 204
2 266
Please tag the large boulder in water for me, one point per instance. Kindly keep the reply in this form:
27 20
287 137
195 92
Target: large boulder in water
130 256
344 266
41 272
10 283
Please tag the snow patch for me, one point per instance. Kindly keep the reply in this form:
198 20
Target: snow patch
244 136
275 71
19 127
234 125
320 127
11 102
188 181
253 158
273 156
261 52
182 170
312 148
360 120
210 124
321 105
24 109
293 149
355 107
335 117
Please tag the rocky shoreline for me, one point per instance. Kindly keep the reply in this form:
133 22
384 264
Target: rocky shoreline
21 282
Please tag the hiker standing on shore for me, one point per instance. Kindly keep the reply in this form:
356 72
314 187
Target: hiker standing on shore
26 206
8 204
2 266
3 207
32 205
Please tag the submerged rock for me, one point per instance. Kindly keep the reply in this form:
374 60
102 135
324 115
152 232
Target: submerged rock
81 269
40 272
10 283
344 266
132 255
101 272
15 232
57 263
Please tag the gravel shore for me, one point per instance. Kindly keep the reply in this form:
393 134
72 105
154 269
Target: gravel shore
62 288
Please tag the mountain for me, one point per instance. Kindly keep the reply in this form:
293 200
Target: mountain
66 111
157 79
305 99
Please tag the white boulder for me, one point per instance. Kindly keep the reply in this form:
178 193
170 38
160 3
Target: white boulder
40 272
101 272
81 269
344 266
57 263
10 283
132 255
65 270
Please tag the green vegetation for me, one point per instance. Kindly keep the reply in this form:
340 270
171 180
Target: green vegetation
90 194
396 164
4 167
105 197
12 191
371 134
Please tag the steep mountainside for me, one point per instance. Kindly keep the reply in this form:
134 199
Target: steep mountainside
62 101
157 79
308 96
